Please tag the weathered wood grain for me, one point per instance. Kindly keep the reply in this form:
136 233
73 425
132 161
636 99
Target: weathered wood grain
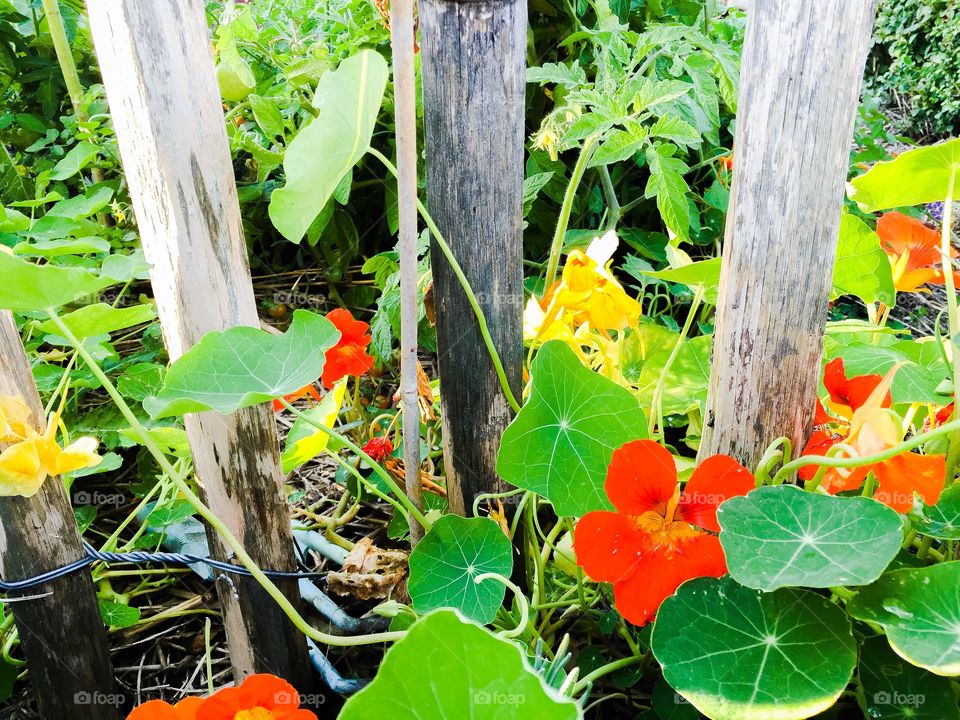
802 70
158 72
62 635
473 91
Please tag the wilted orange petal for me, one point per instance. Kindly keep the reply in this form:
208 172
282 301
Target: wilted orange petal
642 477
608 546
715 479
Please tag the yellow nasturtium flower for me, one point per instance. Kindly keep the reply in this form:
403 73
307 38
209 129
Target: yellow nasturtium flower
586 294
32 456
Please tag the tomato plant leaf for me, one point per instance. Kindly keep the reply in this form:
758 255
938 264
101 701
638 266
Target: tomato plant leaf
244 366
666 183
445 562
563 438
742 654
447 667
782 536
919 609
915 177
348 100
27 286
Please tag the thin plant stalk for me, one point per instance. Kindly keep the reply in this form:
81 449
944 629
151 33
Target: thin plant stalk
404 84
58 34
553 262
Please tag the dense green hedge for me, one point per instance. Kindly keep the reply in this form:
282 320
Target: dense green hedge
916 55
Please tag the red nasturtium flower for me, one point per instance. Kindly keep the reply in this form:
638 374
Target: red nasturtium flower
378 448
349 356
913 250
658 537
259 697
870 429
294 396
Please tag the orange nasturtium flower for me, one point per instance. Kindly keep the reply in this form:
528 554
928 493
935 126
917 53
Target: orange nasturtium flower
913 250
659 536
586 294
32 456
349 356
297 395
259 697
873 428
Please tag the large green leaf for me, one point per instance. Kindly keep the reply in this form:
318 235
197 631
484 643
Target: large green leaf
893 689
742 654
304 441
563 438
862 268
348 100
26 286
915 177
704 274
782 536
447 667
244 366
919 609
941 521
102 318
921 371
643 359
444 565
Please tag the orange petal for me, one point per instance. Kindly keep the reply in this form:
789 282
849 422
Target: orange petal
901 476
160 710
818 444
608 546
900 234
852 392
659 574
716 479
264 691
642 477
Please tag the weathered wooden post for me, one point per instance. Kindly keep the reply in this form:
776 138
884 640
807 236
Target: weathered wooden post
62 634
473 92
159 76
802 70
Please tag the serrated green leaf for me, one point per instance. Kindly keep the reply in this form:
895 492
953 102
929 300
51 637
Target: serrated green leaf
348 100
862 268
914 177
558 73
741 654
619 145
244 366
445 563
461 671
782 536
666 183
678 131
563 438
27 286
919 609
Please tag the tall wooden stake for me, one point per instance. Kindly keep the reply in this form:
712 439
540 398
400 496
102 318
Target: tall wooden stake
61 632
159 76
802 70
472 62
405 104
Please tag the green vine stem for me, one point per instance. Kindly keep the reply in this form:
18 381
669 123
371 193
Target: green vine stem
207 514
61 46
953 316
464 283
521 601
780 450
852 462
656 405
408 504
553 262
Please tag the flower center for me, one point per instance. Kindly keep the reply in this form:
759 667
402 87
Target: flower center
663 529
257 713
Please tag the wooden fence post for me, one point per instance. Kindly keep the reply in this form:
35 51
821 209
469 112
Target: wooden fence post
802 70
62 635
473 95
158 72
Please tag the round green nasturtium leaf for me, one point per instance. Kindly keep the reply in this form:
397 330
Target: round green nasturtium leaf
244 366
446 561
782 536
915 177
941 521
447 667
742 654
118 615
893 689
919 610
563 438
27 286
